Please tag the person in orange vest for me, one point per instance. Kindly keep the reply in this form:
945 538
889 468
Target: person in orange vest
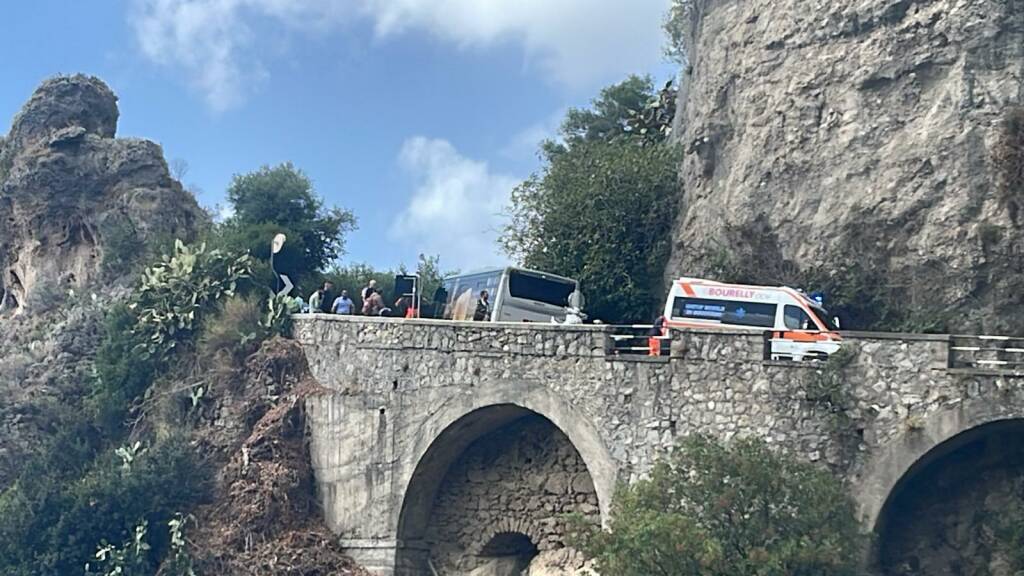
655 335
405 308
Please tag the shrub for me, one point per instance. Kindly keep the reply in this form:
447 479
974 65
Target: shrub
174 294
1008 156
737 510
53 523
1009 530
677 26
123 248
233 333
123 371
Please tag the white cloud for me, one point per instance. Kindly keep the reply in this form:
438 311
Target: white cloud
526 142
577 43
456 209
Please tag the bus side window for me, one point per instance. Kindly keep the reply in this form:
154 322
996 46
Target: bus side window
796 319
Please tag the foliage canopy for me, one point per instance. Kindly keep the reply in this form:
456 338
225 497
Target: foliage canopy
737 510
601 213
53 525
602 208
281 199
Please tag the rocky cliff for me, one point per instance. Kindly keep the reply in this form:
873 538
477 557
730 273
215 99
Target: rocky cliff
838 139
66 184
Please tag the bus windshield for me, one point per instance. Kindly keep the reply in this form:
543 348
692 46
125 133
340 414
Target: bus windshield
553 291
460 293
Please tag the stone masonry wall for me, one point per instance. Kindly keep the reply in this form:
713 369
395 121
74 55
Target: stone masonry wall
522 478
394 386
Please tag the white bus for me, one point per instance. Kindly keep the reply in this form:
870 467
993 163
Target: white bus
516 295
801 327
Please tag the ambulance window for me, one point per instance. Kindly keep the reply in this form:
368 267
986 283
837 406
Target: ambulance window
725 311
796 319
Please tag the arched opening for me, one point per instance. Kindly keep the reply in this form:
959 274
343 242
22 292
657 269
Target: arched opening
952 512
509 544
506 553
492 492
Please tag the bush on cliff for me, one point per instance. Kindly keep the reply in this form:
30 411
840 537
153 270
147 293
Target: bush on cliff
93 484
1008 156
53 521
736 510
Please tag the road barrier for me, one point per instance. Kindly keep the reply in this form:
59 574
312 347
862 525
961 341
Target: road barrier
998 353
634 340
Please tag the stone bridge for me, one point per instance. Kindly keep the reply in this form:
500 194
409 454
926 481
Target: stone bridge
437 444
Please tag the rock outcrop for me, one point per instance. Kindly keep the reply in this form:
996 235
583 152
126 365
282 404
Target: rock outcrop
66 183
66 186
821 133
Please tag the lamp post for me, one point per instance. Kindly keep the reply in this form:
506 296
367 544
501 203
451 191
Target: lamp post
275 246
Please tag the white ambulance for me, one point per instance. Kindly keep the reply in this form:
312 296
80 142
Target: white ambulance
801 328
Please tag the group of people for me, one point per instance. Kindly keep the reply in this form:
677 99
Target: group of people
322 300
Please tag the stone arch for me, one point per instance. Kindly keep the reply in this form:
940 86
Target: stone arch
496 535
937 435
463 419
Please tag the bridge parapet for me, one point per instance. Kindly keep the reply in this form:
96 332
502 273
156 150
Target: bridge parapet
406 397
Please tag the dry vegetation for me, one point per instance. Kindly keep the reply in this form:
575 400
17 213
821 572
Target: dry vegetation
1008 156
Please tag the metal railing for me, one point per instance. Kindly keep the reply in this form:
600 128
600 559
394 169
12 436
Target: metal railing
1001 353
634 340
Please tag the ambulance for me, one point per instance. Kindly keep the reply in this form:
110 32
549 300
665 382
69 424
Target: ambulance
800 328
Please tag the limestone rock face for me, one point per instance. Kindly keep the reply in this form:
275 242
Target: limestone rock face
819 133
66 182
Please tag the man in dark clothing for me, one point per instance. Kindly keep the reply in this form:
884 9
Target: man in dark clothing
483 308
327 299
655 335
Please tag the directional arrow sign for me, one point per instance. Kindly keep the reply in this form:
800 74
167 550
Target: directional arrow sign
287 286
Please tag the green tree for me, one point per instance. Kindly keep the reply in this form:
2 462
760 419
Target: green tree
618 112
737 510
601 213
602 207
282 199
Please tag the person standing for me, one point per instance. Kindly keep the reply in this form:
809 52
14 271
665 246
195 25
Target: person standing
655 335
371 285
315 299
343 304
373 304
327 298
483 308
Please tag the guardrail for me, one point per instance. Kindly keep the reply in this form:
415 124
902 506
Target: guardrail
635 339
1000 353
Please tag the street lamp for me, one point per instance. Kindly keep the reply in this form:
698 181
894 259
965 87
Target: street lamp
275 246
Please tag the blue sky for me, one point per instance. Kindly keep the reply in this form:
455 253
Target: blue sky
418 115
